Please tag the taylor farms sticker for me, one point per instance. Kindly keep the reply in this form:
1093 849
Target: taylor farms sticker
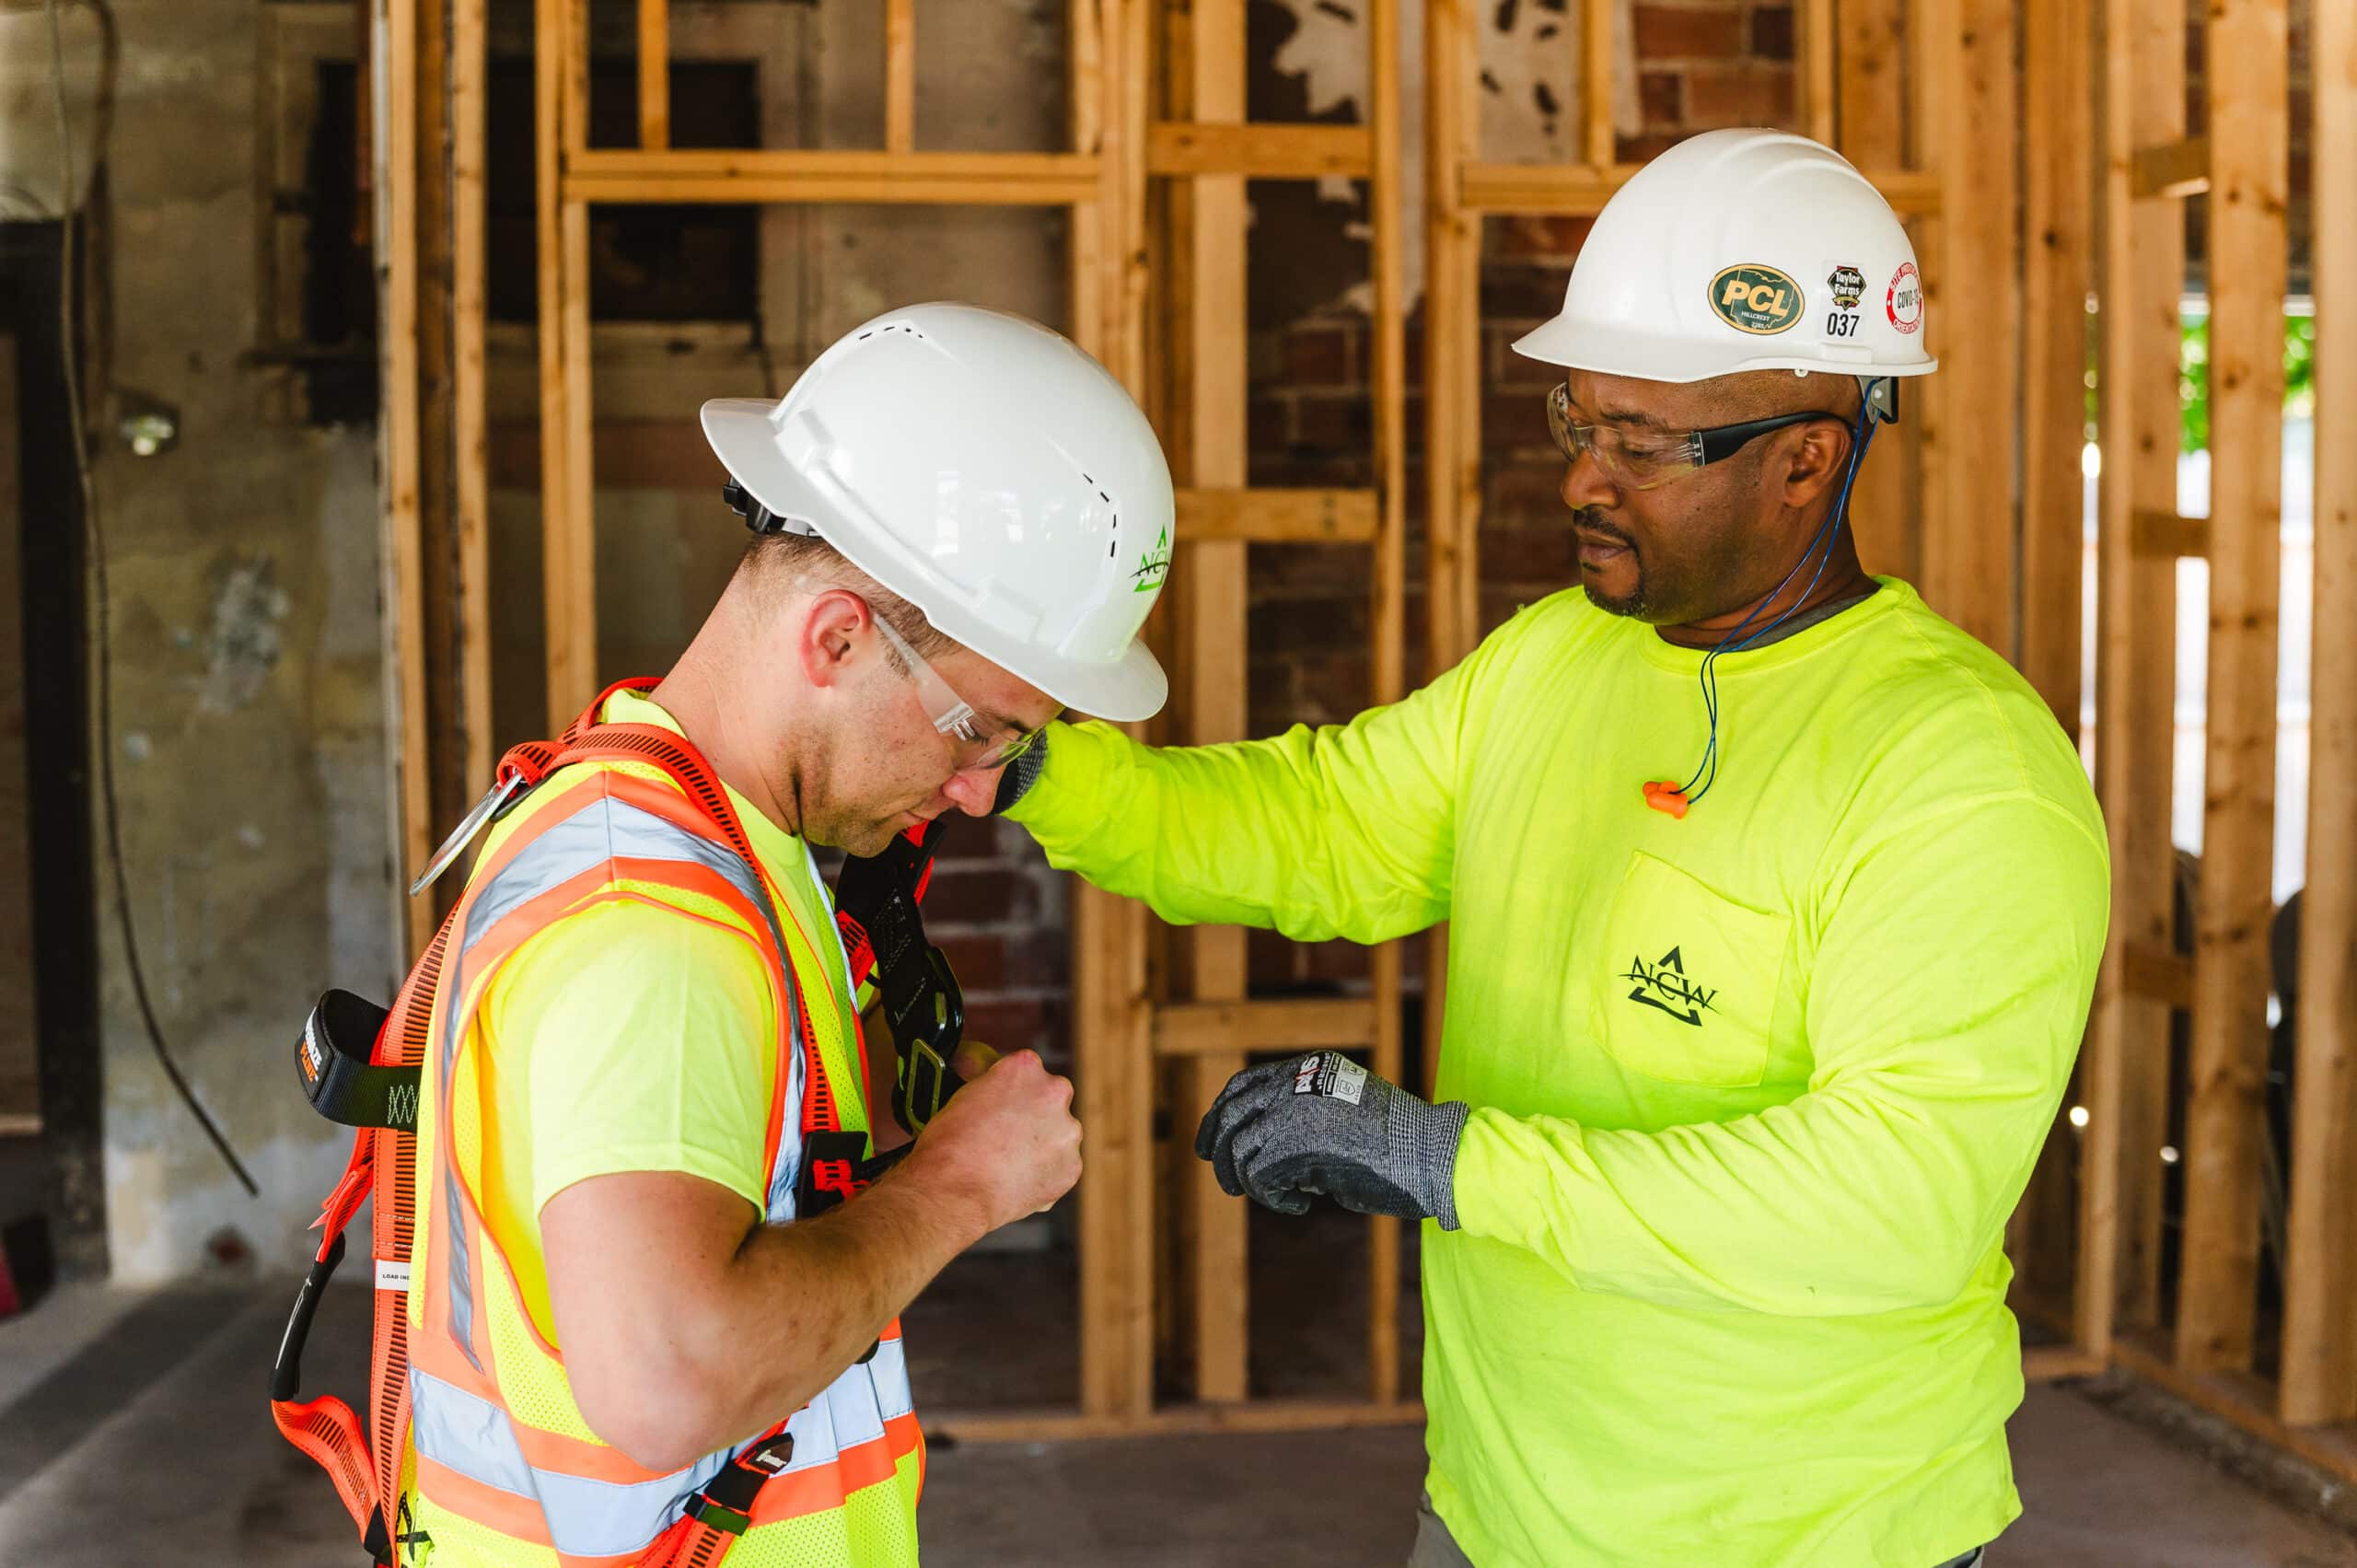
1848 287
1903 302
1757 299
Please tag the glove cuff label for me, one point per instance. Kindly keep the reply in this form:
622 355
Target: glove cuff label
1333 1075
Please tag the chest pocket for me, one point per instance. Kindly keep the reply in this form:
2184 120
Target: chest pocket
1689 989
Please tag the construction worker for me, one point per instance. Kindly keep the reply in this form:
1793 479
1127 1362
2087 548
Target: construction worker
1775 906
642 1318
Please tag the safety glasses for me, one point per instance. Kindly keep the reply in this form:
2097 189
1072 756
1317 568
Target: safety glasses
971 748
1646 459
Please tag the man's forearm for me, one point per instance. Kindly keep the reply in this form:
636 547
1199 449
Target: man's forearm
800 1303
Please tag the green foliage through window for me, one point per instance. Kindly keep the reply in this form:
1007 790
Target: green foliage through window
2193 375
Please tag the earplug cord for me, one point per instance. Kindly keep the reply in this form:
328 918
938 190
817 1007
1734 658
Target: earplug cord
1707 772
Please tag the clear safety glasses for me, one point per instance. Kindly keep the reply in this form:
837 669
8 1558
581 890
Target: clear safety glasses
1646 459
971 748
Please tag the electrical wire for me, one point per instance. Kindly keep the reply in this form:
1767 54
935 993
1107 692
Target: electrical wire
1706 773
111 812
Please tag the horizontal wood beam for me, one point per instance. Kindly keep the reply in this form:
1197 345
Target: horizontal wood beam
2171 170
1539 188
2163 975
1208 1028
638 453
626 176
1255 1415
2241 1399
2165 533
1276 516
1260 152
2045 1364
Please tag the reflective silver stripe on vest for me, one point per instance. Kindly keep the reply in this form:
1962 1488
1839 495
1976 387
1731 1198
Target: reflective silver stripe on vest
586 1518
603 830
462 1299
851 1410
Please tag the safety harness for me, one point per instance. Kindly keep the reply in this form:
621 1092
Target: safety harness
360 1065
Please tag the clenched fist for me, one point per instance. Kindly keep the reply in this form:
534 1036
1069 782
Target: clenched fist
1007 1142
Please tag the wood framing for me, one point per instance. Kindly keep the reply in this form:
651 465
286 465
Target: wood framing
2125 1075
393 58
432 60
2319 1357
1154 180
1208 219
2248 79
2058 269
1937 500
1453 381
1970 284
470 67
1188 361
1205 151
654 75
1869 88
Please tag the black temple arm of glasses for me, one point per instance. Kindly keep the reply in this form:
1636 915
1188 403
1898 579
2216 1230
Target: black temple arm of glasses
1726 440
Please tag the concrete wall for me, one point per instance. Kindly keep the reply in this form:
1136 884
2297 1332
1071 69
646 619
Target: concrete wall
250 715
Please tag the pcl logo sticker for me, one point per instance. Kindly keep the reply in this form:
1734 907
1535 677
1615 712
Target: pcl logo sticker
1903 302
1756 299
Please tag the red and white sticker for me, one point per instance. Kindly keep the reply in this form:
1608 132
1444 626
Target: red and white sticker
1903 301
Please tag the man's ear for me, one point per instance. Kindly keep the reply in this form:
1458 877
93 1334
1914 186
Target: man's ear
1816 456
830 633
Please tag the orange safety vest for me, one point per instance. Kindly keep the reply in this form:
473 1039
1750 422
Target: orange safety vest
471 1415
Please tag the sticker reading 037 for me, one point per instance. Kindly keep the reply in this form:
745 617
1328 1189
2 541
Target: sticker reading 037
1753 298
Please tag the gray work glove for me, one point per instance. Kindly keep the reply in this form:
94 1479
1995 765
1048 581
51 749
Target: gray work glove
1322 1123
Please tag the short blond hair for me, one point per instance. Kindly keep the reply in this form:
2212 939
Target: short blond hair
779 564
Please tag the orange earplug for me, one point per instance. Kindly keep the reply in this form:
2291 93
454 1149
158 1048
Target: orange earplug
1664 795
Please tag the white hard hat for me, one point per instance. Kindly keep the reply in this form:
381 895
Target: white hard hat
989 472
1746 249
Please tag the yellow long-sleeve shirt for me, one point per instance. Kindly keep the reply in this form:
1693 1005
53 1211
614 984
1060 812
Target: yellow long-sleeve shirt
1752 1092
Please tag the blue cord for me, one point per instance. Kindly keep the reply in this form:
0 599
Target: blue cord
1707 772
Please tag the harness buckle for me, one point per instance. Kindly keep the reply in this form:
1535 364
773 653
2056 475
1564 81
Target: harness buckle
770 1457
718 1517
726 1502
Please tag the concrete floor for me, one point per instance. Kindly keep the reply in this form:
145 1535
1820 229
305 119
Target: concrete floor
146 1413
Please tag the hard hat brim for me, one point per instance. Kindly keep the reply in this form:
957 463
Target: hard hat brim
1607 351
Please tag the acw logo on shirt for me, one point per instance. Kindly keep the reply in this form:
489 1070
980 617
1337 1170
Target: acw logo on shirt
1665 985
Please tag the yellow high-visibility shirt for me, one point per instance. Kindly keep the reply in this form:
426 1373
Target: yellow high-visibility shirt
1752 1092
626 1037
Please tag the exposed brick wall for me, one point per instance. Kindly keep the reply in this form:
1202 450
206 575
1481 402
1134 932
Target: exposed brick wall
999 913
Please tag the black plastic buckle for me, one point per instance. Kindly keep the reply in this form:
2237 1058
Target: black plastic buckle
726 1503
758 517
718 1515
